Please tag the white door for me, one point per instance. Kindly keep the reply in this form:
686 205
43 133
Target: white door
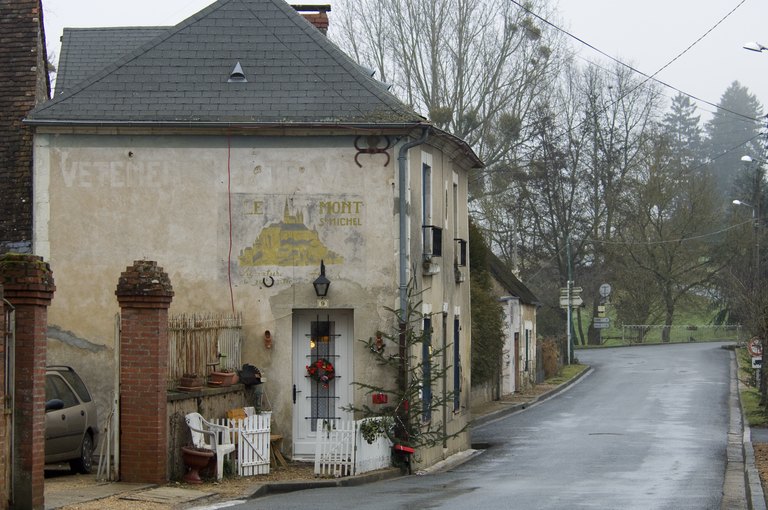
320 337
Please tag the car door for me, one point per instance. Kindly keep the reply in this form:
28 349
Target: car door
64 427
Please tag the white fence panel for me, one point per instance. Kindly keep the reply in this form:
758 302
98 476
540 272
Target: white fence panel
251 435
253 444
335 448
341 450
370 457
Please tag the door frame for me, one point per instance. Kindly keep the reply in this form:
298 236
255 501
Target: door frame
303 437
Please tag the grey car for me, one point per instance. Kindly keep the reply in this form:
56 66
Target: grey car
71 424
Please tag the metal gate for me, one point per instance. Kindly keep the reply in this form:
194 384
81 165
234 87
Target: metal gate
9 342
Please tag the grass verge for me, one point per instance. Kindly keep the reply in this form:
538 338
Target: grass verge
754 413
567 373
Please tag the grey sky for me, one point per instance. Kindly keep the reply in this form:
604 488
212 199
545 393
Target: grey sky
645 34
651 33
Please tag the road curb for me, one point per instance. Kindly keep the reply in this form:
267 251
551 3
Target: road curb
481 420
741 487
754 488
322 483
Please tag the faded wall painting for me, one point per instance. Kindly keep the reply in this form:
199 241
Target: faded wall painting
274 232
288 242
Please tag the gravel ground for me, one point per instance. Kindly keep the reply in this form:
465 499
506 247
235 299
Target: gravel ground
228 488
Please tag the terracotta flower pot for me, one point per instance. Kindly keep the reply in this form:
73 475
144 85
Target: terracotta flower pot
195 459
222 378
190 382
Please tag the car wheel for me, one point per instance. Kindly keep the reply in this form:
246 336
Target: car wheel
84 464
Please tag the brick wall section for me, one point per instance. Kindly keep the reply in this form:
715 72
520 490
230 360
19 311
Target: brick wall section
23 83
4 425
315 14
28 285
144 293
320 21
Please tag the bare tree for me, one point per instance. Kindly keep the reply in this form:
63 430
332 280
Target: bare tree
570 178
474 67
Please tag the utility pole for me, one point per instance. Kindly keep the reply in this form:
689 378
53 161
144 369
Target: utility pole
569 284
759 277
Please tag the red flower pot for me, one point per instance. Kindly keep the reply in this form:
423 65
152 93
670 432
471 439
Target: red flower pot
195 459
222 378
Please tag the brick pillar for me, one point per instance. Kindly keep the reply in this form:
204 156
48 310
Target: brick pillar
144 292
28 286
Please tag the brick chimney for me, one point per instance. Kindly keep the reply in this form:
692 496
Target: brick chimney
23 84
315 14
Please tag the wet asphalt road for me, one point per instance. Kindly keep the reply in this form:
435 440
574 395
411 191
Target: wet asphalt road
646 430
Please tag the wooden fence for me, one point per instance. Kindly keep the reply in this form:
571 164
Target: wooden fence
251 435
198 341
340 450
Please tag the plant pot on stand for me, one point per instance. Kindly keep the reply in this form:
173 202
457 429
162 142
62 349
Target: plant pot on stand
195 459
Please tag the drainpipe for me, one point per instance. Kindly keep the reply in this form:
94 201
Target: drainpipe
401 431
402 169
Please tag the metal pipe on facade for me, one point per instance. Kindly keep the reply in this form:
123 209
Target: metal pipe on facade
403 411
402 160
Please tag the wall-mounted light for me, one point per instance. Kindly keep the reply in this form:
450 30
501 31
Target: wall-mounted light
321 283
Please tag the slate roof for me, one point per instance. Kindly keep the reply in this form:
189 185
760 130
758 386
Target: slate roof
295 76
510 282
85 51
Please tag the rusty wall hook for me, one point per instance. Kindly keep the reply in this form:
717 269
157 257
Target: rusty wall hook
373 142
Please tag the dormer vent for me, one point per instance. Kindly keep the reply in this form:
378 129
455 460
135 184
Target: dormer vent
237 74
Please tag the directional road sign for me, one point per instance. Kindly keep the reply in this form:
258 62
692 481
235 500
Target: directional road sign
575 301
601 322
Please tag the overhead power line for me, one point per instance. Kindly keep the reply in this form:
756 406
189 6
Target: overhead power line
641 73
669 241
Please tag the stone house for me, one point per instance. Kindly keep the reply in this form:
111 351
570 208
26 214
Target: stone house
519 362
243 151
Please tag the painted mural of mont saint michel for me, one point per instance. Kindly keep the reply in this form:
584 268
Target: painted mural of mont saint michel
288 243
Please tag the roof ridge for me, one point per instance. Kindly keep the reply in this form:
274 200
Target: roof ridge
295 75
341 57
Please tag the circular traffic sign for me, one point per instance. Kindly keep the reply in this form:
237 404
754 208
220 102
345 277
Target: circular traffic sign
605 289
755 347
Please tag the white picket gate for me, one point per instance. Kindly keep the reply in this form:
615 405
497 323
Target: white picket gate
340 450
253 444
251 435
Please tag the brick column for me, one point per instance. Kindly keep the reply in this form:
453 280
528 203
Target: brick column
28 286
144 292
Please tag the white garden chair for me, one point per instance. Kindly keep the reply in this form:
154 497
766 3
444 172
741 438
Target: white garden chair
211 436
